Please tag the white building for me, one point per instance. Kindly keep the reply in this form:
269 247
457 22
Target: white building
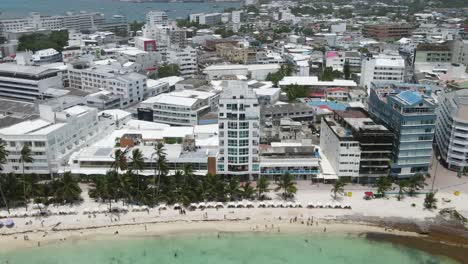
382 68
156 17
451 129
337 59
28 82
178 108
239 131
47 56
53 137
343 155
130 86
257 72
186 58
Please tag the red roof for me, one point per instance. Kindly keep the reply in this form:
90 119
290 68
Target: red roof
316 94
325 107
337 89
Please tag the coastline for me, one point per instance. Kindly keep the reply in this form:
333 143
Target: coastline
441 243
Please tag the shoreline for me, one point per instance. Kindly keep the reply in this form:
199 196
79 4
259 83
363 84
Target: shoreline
449 244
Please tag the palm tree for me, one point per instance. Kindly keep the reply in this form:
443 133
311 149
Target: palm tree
430 202
288 185
67 189
383 184
338 188
25 157
232 188
120 160
138 164
262 187
161 166
3 160
402 185
414 183
248 191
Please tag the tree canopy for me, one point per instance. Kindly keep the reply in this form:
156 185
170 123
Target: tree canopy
167 70
36 41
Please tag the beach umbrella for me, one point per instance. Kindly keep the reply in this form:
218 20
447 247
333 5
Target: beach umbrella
162 207
231 205
347 206
280 205
177 206
136 208
96 210
201 205
297 205
193 206
240 205
210 205
9 223
261 205
124 209
72 211
328 205
310 205
271 204
3 214
86 211
144 208
337 205
318 205
289 204
24 214
219 205
250 205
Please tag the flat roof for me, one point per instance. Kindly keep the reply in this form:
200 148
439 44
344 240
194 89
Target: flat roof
31 127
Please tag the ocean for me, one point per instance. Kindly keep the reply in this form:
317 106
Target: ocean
133 11
235 248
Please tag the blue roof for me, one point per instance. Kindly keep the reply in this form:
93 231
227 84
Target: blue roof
329 104
410 97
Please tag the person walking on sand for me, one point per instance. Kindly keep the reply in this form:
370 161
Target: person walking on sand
325 229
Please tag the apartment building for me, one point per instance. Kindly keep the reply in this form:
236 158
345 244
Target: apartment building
186 58
239 131
46 56
53 138
382 68
429 52
391 31
357 148
130 86
452 128
206 19
25 82
236 53
460 51
182 108
408 111
79 21
337 60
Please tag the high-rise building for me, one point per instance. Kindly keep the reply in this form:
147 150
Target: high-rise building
358 149
451 129
239 131
408 111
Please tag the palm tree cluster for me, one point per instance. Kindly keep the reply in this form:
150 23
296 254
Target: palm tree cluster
410 186
19 190
124 183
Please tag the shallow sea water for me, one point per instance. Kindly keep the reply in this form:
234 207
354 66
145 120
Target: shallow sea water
227 249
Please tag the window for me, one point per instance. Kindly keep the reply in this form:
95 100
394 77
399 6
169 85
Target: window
243 143
244 125
244 151
243 159
232 125
232 134
232 143
232 159
232 151
12 144
244 134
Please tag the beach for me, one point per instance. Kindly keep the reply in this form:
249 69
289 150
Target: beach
388 217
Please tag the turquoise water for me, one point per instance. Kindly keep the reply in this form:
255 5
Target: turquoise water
133 11
229 248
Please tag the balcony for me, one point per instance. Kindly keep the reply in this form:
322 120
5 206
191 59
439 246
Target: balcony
296 172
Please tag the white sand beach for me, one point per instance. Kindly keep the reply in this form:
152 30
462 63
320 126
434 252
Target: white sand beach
35 231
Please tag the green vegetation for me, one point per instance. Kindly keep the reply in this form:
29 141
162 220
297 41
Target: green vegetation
430 202
415 182
282 29
402 185
285 70
167 70
288 185
383 185
252 8
136 26
224 33
347 70
329 74
295 91
338 188
262 187
34 42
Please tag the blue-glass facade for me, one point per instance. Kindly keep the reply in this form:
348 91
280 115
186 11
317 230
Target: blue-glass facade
408 111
